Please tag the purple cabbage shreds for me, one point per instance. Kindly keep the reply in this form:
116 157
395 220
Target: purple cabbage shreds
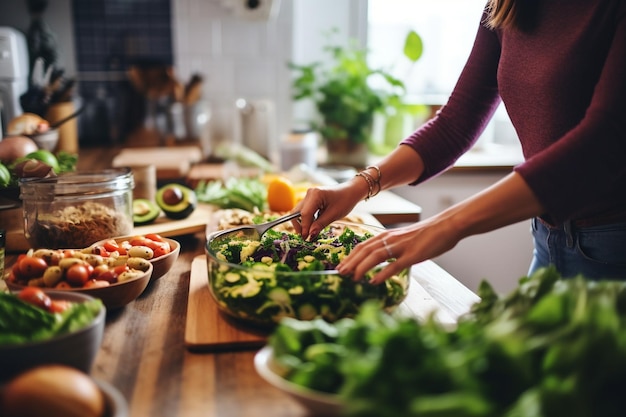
329 265
261 252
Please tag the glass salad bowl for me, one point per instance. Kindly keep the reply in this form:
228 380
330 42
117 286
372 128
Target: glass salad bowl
281 275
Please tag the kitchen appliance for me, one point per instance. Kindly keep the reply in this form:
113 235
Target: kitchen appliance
255 126
13 73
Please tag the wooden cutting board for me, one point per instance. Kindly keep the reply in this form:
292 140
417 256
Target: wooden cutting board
209 330
196 222
171 162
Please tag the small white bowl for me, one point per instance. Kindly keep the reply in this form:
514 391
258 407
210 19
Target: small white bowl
47 140
318 403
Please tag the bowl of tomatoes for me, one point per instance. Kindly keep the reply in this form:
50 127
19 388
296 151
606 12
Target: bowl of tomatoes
48 327
115 280
160 251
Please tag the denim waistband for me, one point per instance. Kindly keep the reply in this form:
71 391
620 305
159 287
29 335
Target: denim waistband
613 217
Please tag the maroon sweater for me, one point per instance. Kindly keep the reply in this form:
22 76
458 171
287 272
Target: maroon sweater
564 87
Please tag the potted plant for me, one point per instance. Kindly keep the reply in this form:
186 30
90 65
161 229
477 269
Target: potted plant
347 92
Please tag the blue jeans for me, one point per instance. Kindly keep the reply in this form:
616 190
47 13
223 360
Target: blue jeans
597 252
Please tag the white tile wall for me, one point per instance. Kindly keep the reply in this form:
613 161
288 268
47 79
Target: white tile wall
237 57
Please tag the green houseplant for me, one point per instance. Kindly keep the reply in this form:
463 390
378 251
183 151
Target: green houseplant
347 92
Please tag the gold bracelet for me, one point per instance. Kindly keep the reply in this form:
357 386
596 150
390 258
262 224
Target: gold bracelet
370 183
377 180
377 171
375 184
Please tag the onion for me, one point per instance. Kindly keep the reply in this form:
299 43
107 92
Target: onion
32 168
13 147
52 391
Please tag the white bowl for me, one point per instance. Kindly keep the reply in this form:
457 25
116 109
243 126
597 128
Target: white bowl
318 403
47 140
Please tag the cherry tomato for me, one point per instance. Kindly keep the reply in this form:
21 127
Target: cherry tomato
77 275
63 285
101 250
109 276
11 277
154 245
69 253
31 267
36 297
140 241
120 268
155 237
124 247
98 270
96 283
112 245
59 306
160 251
16 267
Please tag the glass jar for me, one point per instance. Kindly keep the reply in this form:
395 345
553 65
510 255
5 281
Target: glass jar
77 209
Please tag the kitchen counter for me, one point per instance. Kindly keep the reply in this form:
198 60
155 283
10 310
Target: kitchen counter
144 355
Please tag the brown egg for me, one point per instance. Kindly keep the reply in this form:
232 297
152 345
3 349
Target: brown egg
52 391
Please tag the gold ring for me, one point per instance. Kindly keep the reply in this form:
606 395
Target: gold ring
387 248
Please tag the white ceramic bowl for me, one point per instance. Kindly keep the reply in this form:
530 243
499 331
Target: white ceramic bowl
47 140
318 403
77 349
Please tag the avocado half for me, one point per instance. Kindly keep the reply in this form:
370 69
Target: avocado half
144 211
176 201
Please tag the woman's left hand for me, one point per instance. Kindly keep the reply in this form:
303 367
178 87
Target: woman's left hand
407 246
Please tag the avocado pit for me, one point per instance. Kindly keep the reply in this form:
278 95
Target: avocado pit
177 201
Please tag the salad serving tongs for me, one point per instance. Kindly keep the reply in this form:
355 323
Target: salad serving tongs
251 231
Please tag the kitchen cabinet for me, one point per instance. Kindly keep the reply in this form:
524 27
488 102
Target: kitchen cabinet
501 256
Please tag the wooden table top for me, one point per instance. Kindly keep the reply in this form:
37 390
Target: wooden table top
143 353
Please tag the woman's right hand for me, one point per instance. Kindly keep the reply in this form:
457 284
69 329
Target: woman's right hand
323 205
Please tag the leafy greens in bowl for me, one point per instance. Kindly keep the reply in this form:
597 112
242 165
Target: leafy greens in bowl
31 335
552 347
282 275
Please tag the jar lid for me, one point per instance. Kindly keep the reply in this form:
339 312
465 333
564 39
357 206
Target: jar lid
71 185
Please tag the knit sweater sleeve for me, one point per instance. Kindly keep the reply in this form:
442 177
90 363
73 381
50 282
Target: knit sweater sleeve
583 172
459 123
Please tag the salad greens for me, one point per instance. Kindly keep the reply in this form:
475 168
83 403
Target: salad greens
242 193
22 322
285 276
552 347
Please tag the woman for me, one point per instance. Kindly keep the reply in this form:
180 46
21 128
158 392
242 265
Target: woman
559 66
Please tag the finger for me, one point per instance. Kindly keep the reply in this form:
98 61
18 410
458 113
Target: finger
392 268
369 261
362 258
296 225
312 204
297 222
